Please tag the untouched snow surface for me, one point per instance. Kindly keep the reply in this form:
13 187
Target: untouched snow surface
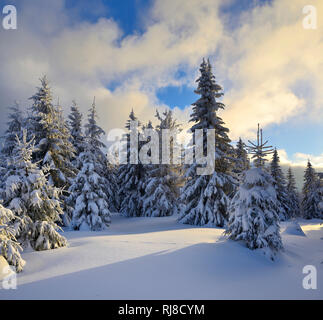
158 258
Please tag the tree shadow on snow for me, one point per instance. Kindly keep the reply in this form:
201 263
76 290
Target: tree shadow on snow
221 270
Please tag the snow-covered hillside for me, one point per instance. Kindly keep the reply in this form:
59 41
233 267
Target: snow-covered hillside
158 258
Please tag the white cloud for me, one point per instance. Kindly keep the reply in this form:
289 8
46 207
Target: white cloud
267 61
300 159
270 58
80 59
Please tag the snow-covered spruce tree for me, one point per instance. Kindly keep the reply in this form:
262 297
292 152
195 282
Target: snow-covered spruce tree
311 194
14 128
292 194
113 186
321 198
33 199
254 209
206 197
75 126
87 195
168 122
254 212
242 162
52 137
42 106
161 186
280 186
132 117
9 247
131 177
70 165
93 134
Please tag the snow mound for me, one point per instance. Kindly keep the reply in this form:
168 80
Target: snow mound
294 229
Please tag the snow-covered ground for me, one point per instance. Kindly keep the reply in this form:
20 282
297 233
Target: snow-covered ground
157 258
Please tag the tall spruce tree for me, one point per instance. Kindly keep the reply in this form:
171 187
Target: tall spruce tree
52 137
242 162
254 210
292 194
113 185
94 133
206 197
88 197
75 126
321 198
33 199
161 186
131 178
132 117
168 122
280 186
311 194
94 144
14 129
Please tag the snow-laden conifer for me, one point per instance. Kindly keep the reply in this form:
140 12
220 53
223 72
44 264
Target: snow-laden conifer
10 249
160 192
206 197
93 136
254 212
94 133
280 186
321 198
312 196
254 209
242 162
292 194
161 186
113 188
88 197
14 128
33 199
52 137
75 125
131 178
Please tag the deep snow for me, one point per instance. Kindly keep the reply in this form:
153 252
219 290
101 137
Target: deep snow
158 258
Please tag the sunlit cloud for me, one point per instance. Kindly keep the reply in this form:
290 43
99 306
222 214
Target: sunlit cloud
272 66
275 66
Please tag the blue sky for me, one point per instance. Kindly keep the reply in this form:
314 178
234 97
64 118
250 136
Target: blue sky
144 54
129 15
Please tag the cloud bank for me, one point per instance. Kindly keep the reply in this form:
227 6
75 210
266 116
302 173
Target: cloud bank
270 66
